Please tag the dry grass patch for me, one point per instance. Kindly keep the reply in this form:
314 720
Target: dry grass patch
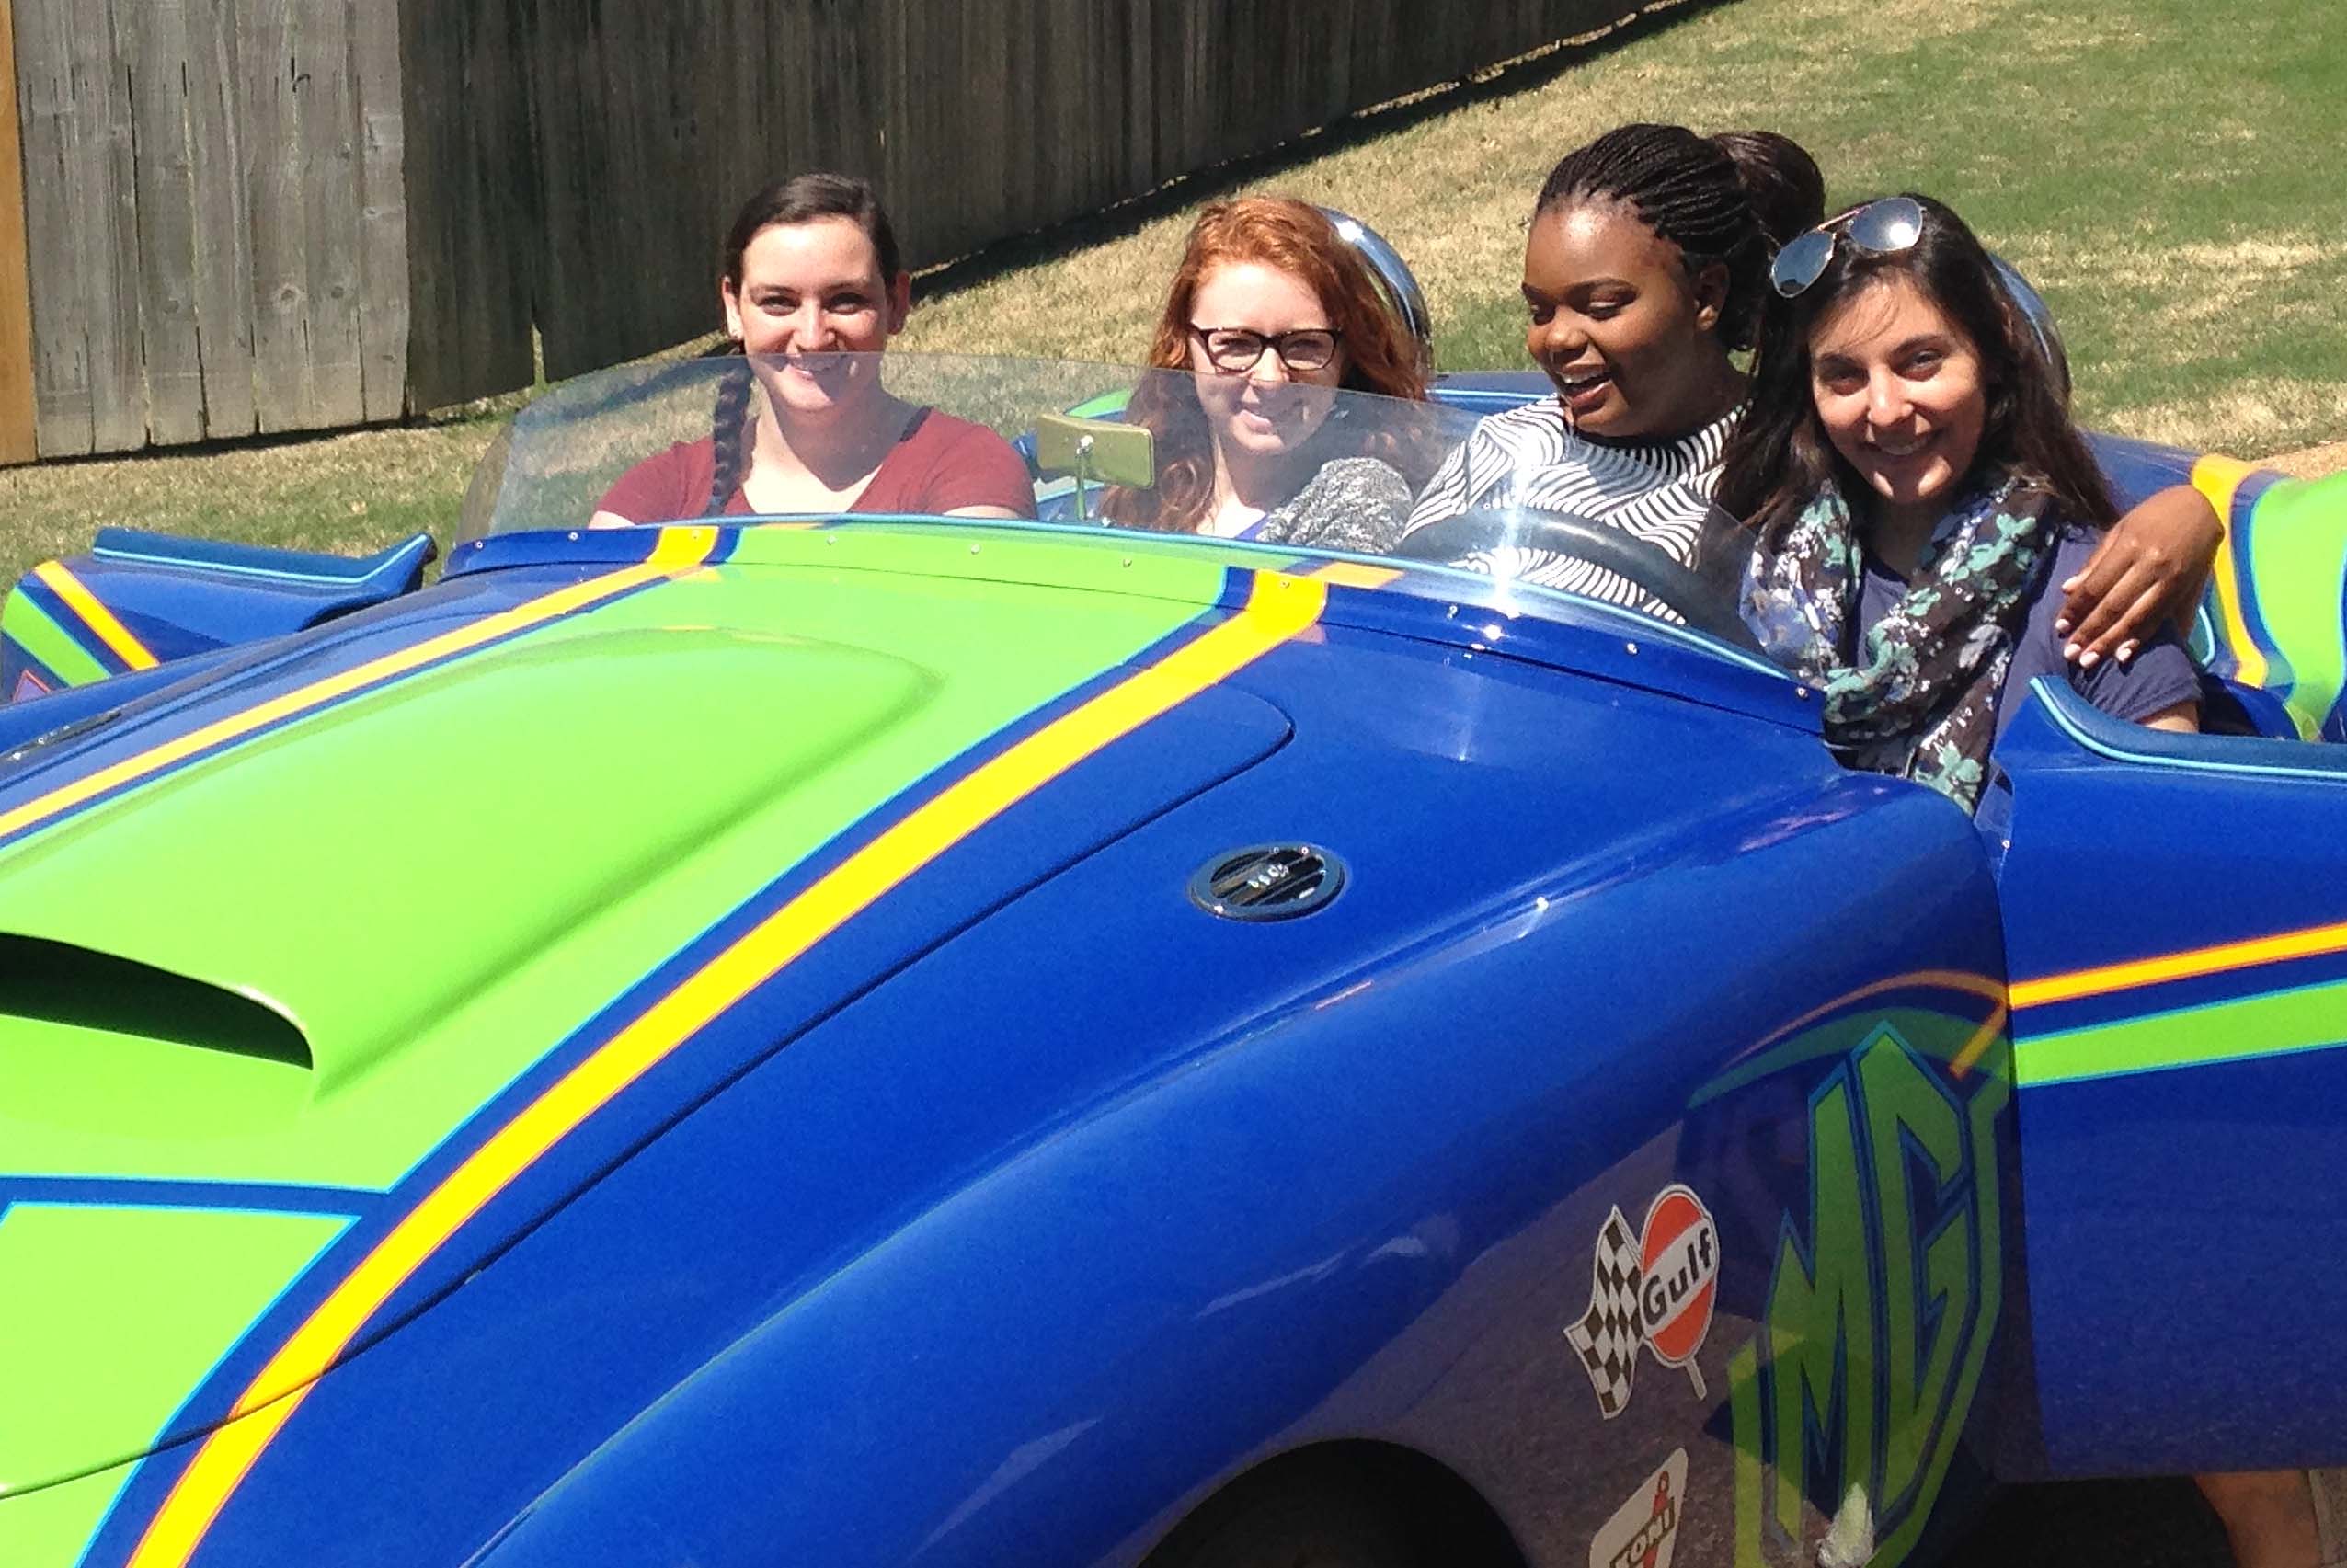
2313 462
349 493
2259 416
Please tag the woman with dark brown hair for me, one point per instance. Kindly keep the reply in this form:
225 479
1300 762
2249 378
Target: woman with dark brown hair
811 289
1917 492
1274 315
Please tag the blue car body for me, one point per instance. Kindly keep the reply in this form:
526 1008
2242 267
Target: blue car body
1664 1142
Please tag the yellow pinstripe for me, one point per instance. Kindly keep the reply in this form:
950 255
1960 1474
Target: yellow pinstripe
1277 609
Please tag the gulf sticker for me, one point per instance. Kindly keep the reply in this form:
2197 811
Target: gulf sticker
1644 1530
1655 1289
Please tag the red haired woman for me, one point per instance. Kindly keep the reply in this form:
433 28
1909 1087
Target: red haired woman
1274 315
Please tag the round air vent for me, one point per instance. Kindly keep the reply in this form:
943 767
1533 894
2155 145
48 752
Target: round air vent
1267 882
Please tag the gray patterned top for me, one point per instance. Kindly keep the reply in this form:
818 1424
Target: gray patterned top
1353 503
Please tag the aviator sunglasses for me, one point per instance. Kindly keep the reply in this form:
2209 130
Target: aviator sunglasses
1894 223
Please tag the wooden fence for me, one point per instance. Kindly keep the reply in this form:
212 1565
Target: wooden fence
214 216
268 215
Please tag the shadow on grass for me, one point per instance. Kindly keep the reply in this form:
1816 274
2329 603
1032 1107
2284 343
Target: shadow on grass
1522 74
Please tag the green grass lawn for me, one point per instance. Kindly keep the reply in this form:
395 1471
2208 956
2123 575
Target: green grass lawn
2164 169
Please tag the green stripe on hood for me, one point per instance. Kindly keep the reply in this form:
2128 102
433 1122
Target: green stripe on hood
39 635
154 1295
440 880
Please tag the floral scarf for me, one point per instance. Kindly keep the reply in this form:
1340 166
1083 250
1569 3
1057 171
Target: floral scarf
1916 695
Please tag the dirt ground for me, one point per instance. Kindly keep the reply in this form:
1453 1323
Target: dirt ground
2314 461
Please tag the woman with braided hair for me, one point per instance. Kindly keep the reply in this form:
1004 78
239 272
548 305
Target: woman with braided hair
1645 268
812 290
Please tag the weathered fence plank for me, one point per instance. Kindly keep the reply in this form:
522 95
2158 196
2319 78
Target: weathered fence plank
151 38
270 81
53 137
473 229
326 131
223 280
383 210
17 420
118 383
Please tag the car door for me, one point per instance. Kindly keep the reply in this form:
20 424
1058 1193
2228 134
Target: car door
2176 931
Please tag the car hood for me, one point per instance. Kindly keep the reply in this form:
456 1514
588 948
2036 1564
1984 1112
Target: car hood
323 980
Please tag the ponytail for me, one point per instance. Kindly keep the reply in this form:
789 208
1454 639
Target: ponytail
1779 179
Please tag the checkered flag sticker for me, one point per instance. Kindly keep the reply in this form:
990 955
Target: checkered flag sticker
1609 1334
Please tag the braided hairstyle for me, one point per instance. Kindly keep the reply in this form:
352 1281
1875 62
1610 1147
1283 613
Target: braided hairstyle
1730 199
802 198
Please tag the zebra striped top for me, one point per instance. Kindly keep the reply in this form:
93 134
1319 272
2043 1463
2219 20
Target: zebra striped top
1658 491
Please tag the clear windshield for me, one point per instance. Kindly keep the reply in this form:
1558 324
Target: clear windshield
1300 467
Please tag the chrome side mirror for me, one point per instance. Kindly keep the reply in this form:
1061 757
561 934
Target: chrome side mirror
1394 279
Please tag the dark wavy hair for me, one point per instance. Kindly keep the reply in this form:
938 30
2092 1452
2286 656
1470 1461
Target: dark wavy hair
1780 456
801 198
1732 198
1380 356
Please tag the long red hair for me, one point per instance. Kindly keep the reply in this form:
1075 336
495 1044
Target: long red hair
1380 356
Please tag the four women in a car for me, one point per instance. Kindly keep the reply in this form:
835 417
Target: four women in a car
1647 271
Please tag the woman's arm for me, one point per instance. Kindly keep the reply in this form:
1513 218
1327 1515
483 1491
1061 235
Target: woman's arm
2148 571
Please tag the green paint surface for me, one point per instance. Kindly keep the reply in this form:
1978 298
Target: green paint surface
2298 558
439 882
51 1528
113 1314
2306 1019
43 638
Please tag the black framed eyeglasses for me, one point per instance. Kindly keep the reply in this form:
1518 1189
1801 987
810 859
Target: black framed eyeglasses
1234 351
1879 228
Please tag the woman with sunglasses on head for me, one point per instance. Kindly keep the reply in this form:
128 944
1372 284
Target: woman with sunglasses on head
1645 269
1917 492
1273 314
812 289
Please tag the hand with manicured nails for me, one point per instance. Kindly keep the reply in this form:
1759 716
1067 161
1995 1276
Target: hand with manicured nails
2148 570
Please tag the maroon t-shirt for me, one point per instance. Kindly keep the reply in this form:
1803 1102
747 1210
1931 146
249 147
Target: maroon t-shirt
939 464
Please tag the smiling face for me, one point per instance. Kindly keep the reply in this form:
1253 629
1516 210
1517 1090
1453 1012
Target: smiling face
1631 341
1899 390
809 291
1268 412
